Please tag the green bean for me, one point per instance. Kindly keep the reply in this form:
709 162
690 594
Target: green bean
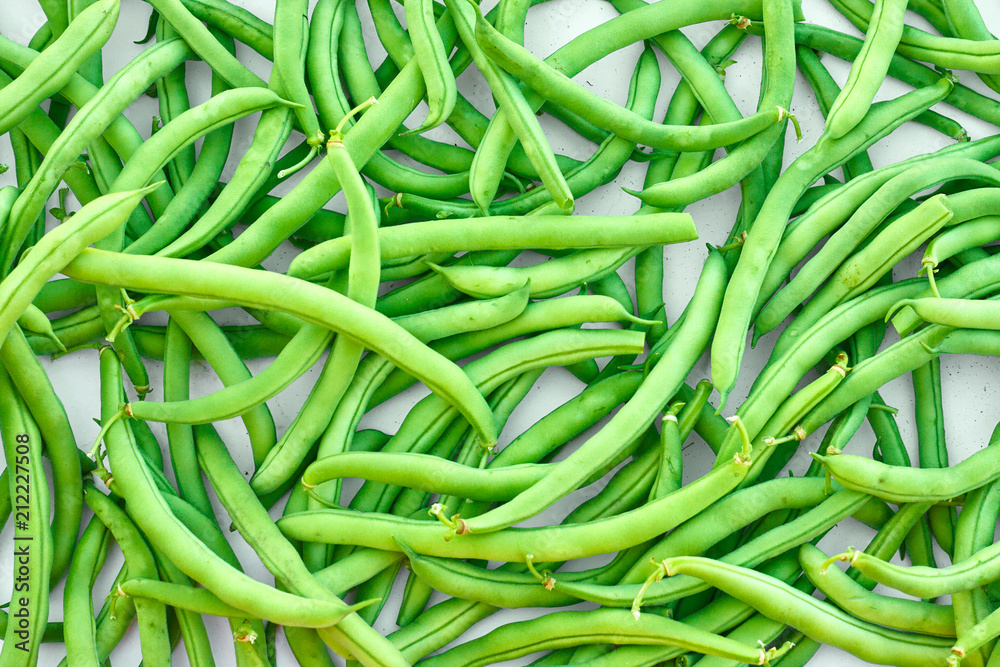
627 489
559 88
669 473
445 621
504 233
78 604
758 628
972 533
207 530
847 47
184 597
235 21
151 615
975 637
608 37
351 406
723 518
787 418
961 237
551 278
931 444
755 256
855 599
301 352
111 627
64 294
867 265
745 159
905 355
120 134
355 569
307 647
927 582
573 628
569 420
106 165
437 626
28 376
913 484
180 437
362 83
133 479
869 69
974 280
57 16
718 616
776 541
232 372
363 280
966 22
433 59
518 113
711 427
221 110
431 416
192 196
58 247
250 342
426 472
280 556
537 316
48 74
955 312
173 100
205 45
34 322
948 52
291 38
26 162
73 330
254 167
325 30
698 70
933 12
313 303
190 626
504 400
464 118
867 217
574 541
780 378
847 423
823 623
603 165
319 185
32 561
42 133
444 450
635 416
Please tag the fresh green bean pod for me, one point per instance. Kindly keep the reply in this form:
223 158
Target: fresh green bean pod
32 561
869 69
87 34
762 242
906 615
823 622
903 485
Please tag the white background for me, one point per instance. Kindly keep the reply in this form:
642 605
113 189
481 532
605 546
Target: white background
972 406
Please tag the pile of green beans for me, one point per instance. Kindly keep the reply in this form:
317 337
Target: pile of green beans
349 369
